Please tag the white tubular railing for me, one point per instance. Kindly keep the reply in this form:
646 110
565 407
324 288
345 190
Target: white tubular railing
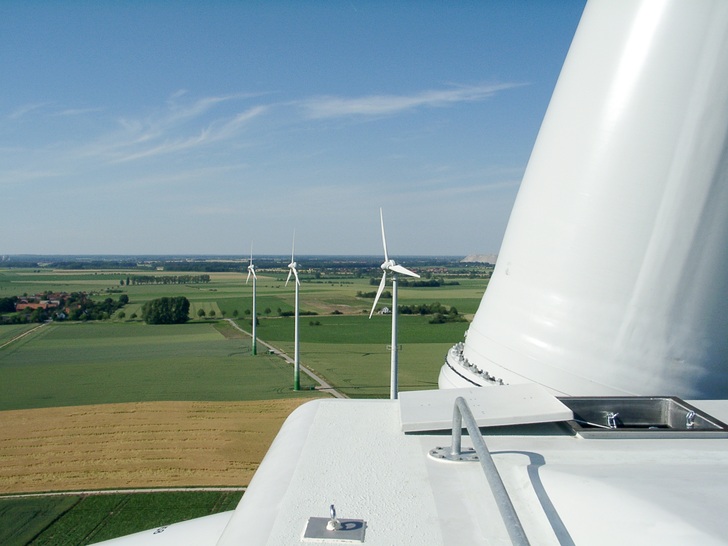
461 412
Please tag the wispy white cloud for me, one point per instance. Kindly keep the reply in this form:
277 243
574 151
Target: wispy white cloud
216 125
383 105
177 126
177 113
182 124
19 177
161 143
27 109
77 112
177 94
47 109
174 127
174 116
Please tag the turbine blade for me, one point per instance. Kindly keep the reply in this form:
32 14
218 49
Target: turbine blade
290 270
295 274
293 246
248 277
379 292
403 270
254 275
384 240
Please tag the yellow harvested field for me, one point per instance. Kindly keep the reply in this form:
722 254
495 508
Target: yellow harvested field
151 444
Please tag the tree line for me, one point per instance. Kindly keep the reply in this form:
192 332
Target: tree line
168 279
440 313
419 283
426 283
386 294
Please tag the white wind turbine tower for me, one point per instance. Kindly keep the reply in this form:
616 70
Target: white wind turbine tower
296 362
251 271
393 268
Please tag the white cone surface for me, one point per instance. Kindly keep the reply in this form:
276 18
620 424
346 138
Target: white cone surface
613 272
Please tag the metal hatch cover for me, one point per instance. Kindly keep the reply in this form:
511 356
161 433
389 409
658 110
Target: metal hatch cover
641 417
491 406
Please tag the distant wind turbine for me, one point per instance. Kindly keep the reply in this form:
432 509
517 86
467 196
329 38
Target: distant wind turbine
251 271
393 268
292 269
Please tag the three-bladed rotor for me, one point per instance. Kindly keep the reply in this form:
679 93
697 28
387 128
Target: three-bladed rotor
251 267
292 267
388 265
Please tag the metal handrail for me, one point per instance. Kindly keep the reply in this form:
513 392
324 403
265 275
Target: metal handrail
461 411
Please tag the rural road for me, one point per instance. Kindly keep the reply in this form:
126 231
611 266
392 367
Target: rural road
323 385
16 338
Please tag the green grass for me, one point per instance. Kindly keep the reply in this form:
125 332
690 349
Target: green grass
125 360
337 329
24 519
207 307
76 520
8 332
363 370
110 362
352 352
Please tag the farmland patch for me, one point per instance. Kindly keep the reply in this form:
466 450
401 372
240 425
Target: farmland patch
154 444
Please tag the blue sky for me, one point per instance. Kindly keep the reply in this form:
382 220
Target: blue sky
200 127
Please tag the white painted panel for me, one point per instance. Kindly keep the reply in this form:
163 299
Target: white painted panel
495 406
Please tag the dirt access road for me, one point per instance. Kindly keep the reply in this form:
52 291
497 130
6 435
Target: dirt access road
323 385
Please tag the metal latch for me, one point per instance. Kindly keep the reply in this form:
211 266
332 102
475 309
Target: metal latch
334 529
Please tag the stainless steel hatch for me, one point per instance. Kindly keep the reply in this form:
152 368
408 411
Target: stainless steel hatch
641 417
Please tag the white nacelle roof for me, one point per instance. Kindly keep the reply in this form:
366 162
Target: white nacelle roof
565 489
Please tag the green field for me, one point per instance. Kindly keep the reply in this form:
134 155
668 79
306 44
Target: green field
352 352
11 331
125 360
75 520
71 364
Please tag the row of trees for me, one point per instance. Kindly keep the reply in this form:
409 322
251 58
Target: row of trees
167 279
418 283
426 283
440 313
386 294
